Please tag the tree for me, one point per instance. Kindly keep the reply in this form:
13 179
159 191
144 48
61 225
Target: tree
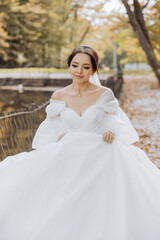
20 29
154 27
3 37
136 20
41 32
127 42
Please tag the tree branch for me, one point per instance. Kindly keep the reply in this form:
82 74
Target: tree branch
140 19
122 19
129 11
145 5
84 34
139 28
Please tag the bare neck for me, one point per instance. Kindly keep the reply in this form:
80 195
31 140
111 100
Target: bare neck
80 88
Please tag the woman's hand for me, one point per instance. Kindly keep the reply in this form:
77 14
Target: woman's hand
60 137
108 137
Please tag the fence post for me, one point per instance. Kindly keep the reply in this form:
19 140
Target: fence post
33 119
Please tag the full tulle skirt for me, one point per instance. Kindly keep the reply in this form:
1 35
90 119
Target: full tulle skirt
80 188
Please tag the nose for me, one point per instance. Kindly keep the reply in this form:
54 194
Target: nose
79 70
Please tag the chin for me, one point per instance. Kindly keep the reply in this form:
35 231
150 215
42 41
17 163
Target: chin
81 80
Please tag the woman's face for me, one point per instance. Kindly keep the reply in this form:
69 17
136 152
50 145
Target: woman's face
81 68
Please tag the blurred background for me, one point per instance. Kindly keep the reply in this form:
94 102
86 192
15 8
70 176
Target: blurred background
36 37
41 33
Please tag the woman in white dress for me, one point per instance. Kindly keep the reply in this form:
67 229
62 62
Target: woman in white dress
85 180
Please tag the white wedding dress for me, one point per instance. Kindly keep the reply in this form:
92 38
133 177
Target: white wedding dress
81 188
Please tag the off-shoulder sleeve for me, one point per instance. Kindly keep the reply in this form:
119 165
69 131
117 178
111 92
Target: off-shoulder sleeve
52 127
116 120
108 102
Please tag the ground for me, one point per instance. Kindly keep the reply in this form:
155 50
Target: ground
141 102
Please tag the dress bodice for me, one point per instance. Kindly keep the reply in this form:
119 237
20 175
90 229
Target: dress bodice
92 120
104 115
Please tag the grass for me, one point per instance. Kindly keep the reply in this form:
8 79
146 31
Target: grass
56 70
29 70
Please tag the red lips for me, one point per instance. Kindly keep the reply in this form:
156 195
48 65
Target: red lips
78 76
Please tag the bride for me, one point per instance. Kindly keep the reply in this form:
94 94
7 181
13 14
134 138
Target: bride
84 180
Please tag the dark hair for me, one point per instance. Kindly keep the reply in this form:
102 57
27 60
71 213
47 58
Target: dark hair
86 50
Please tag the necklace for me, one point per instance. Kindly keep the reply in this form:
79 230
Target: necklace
80 94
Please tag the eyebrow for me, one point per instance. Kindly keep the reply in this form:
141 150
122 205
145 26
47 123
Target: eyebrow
83 64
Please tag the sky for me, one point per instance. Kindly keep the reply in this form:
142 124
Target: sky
116 5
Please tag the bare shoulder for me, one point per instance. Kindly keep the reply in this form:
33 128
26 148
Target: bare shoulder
105 90
56 95
60 94
95 87
101 89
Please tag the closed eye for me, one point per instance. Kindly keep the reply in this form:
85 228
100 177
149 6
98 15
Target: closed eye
77 66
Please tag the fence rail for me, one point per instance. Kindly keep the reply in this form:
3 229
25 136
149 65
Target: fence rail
17 129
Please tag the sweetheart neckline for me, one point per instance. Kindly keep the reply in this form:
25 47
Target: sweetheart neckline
80 116
63 102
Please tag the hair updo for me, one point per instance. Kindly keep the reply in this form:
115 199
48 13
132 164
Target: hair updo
86 50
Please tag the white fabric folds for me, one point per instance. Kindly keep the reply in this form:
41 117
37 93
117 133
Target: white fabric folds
81 187
105 115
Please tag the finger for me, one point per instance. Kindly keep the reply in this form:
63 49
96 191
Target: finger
107 137
111 134
104 136
110 138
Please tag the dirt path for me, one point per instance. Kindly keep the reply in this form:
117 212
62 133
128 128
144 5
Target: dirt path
142 105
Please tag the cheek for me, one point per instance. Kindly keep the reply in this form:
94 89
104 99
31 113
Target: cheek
71 69
88 73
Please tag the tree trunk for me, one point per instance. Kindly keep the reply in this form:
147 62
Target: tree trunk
137 22
58 57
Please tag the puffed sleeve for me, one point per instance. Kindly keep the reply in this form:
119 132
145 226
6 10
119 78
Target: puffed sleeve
116 120
52 127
